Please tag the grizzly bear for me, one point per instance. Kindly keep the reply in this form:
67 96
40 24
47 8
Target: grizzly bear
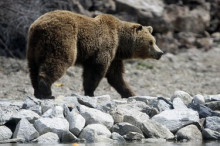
60 39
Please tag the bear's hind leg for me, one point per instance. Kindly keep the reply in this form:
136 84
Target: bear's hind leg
50 71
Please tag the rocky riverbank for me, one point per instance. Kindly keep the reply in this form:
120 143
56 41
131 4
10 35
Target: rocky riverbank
79 118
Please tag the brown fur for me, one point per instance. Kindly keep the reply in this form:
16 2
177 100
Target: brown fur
60 39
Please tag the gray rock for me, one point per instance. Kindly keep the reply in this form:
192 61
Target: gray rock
69 101
14 140
210 134
87 101
147 99
25 130
93 116
5 133
7 109
199 99
178 104
104 103
32 103
214 105
56 125
162 105
124 128
154 140
68 137
47 104
117 137
90 132
190 132
176 119
56 111
213 123
122 101
131 113
76 122
215 97
31 116
133 136
48 138
103 139
153 129
186 98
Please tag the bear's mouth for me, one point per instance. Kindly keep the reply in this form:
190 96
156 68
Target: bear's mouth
158 55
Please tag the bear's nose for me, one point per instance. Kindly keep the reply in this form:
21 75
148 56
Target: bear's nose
159 54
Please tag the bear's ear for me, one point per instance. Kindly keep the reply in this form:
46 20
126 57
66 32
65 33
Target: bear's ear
150 28
137 27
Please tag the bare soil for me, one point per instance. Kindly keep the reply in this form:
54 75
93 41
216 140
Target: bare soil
194 71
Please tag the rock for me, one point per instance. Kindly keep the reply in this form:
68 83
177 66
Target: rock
56 125
214 105
118 102
176 119
5 133
152 101
213 123
14 140
27 114
68 137
215 97
198 99
56 111
203 110
47 104
48 138
76 122
186 98
69 101
7 109
133 136
33 104
124 128
25 130
162 105
90 132
134 115
204 43
104 103
103 139
154 140
210 134
178 104
190 132
93 116
153 129
117 137
87 101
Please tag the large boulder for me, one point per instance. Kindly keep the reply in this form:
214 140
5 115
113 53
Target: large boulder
125 128
5 133
190 132
48 138
213 123
176 119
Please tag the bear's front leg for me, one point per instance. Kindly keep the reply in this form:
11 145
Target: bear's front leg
93 72
116 80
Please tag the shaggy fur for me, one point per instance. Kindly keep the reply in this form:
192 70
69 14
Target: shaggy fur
60 39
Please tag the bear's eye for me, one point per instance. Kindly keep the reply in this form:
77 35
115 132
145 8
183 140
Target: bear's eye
151 43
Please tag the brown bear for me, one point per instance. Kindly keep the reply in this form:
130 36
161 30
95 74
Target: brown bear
60 39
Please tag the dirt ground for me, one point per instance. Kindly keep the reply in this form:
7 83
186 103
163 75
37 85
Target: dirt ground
194 71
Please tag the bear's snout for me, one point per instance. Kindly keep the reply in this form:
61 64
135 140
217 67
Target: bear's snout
159 54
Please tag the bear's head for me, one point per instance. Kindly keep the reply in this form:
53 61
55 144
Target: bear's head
144 45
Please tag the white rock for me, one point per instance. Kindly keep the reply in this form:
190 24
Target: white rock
76 122
186 98
5 133
56 125
178 104
48 138
87 101
56 111
69 101
134 136
190 132
93 116
153 129
213 123
162 105
130 113
27 114
25 130
90 132
198 99
176 119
